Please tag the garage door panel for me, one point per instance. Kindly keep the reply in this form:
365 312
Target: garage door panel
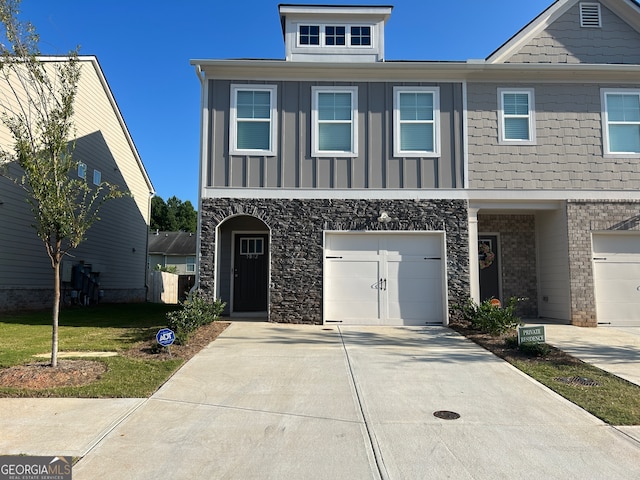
411 245
352 244
619 270
352 291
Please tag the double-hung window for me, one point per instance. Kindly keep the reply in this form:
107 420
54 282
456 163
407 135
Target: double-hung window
621 122
334 121
253 120
416 121
516 116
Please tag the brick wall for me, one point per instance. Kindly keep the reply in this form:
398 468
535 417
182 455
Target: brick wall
517 250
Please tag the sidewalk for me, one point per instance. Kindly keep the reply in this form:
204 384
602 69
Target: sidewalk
614 349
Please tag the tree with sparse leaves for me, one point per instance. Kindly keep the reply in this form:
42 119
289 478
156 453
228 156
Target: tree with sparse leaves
173 216
37 109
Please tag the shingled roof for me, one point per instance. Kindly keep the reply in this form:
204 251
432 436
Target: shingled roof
172 243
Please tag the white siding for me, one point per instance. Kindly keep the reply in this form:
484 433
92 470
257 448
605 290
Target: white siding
115 245
553 265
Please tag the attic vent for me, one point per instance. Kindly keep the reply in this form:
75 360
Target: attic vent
590 15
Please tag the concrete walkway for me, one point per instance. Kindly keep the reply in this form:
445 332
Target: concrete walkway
269 401
614 349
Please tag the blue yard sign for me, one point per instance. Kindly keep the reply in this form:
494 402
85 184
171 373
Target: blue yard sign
165 337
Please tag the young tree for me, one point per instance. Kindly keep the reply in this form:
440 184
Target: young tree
38 112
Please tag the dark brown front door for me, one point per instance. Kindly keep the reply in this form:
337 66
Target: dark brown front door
489 268
250 273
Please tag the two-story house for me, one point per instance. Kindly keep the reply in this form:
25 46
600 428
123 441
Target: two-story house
110 264
339 186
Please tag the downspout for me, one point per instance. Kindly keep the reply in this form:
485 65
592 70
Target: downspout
201 79
146 248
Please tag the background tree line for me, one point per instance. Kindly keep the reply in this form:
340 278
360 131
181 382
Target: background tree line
174 215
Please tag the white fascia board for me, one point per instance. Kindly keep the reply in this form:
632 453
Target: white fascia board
280 70
627 10
493 196
304 10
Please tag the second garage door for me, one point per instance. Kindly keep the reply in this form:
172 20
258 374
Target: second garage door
384 278
616 264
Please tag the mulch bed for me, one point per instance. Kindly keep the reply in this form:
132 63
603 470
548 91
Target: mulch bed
71 373
497 344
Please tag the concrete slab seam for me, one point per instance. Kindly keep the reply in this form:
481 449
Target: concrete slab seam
113 426
373 442
626 435
245 409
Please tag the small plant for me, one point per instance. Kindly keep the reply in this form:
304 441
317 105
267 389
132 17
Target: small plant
490 318
195 312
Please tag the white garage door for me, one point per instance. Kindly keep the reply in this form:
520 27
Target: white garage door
616 262
384 278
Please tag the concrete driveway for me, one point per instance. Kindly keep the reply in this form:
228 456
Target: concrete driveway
271 401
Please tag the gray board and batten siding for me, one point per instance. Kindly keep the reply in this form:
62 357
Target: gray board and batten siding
375 166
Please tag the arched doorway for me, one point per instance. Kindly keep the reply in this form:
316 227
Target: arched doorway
243 265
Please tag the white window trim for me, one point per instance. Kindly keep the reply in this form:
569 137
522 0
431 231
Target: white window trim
97 177
397 152
347 40
82 170
190 265
233 120
532 117
605 121
315 132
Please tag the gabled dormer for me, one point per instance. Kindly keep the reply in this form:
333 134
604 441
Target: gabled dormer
351 33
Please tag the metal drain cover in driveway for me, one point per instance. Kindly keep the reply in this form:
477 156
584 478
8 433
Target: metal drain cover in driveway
578 381
446 415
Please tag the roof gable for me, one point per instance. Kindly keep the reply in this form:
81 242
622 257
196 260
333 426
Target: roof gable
558 36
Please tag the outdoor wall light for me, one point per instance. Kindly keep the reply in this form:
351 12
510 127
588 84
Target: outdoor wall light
385 218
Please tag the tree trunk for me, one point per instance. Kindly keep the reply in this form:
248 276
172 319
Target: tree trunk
56 311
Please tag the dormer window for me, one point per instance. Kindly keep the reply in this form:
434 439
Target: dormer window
334 36
309 35
361 36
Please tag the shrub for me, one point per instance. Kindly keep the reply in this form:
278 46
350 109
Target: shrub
535 349
195 312
489 318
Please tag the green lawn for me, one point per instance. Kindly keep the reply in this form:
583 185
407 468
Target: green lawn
613 400
111 328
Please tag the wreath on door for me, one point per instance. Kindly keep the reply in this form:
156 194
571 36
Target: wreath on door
486 256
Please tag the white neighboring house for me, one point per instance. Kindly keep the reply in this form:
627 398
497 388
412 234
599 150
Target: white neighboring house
110 265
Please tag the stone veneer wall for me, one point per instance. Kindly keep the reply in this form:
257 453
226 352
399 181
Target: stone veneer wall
585 217
297 227
517 250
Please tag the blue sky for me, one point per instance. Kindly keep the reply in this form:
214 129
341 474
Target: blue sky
144 48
